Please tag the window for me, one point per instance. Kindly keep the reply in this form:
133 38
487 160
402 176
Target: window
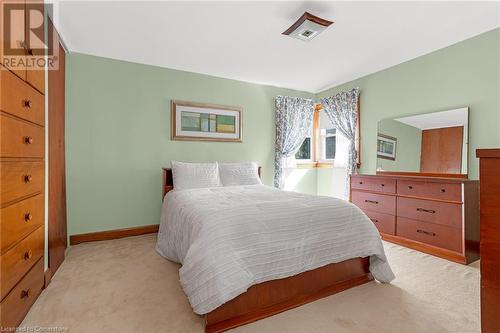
328 142
325 146
305 151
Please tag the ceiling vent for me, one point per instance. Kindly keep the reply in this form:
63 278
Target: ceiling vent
307 27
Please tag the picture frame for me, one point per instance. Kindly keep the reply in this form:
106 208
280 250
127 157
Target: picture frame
386 147
205 122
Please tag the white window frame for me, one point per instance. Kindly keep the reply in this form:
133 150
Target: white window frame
322 139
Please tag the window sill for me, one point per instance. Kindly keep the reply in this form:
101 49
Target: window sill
314 165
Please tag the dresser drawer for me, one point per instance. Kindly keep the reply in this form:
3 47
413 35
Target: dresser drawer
18 260
17 303
36 78
378 184
21 219
5 65
430 233
385 223
444 213
443 191
374 202
21 139
21 100
20 179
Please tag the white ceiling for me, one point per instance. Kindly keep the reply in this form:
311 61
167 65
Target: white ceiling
449 118
243 41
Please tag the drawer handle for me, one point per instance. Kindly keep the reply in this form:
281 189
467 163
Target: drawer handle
382 185
443 190
28 178
25 293
28 255
426 232
374 220
27 104
28 140
360 183
371 201
28 217
410 187
426 210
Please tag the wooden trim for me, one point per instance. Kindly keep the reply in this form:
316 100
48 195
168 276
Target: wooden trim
315 136
488 153
57 238
47 277
309 17
424 174
272 297
429 249
306 165
325 165
173 121
315 165
112 234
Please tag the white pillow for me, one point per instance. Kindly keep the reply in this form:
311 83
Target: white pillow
195 175
233 174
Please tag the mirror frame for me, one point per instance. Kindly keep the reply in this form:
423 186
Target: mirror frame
432 174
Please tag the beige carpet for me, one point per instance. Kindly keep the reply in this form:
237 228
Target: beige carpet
124 286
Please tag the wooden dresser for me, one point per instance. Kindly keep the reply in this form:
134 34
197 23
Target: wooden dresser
22 153
439 216
489 167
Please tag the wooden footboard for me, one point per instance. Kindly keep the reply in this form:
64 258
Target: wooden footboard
269 298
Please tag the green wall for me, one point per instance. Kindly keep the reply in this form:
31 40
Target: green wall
408 146
118 136
463 74
118 124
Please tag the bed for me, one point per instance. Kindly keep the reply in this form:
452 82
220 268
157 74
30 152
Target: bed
249 252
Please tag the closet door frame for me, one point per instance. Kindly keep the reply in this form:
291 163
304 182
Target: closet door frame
57 228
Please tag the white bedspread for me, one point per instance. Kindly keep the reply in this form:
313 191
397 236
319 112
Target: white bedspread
230 238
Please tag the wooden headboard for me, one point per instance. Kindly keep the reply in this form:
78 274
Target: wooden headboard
167 183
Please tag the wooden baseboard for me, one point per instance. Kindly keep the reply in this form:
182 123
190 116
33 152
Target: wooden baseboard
113 234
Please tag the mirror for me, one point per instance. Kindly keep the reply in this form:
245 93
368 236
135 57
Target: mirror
429 143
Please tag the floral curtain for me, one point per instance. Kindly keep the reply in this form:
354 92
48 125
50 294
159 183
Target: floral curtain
342 110
293 123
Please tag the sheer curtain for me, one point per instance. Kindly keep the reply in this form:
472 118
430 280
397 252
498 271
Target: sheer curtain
293 123
342 147
342 110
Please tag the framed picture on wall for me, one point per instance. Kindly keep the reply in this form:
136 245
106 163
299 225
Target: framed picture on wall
205 122
386 147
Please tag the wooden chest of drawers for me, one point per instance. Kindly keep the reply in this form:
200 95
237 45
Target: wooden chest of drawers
22 198
434 215
489 176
